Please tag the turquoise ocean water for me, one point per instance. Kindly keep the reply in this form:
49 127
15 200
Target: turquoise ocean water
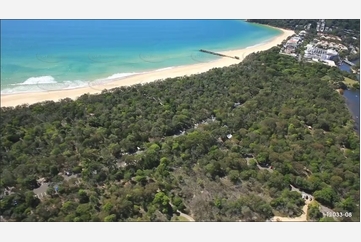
43 55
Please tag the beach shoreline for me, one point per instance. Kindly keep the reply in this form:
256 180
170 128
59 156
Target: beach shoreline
15 99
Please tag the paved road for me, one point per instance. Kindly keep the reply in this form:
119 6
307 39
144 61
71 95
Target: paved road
67 178
264 168
186 216
323 209
259 167
41 191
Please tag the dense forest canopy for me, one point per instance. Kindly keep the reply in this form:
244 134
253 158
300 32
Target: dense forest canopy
193 145
340 24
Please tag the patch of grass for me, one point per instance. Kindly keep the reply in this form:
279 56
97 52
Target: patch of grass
349 81
179 219
182 219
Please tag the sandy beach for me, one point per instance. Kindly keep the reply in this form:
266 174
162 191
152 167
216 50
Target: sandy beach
31 98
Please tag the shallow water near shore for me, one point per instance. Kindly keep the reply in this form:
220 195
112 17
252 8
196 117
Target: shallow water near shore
46 55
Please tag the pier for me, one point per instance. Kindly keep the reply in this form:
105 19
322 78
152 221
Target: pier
348 62
219 54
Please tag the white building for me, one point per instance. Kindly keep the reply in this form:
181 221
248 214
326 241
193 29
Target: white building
312 52
330 62
302 33
332 53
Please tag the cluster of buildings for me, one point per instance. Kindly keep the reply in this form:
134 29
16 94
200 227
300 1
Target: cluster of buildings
306 27
329 37
354 50
320 51
325 48
315 53
293 43
321 26
330 45
334 42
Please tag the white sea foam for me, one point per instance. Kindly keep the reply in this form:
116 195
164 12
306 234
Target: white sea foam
111 78
48 83
37 80
253 46
120 75
167 68
260 44
75 84
41 84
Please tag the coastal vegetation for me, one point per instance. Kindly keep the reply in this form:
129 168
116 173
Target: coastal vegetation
293 24
351 84
340 26
224 145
